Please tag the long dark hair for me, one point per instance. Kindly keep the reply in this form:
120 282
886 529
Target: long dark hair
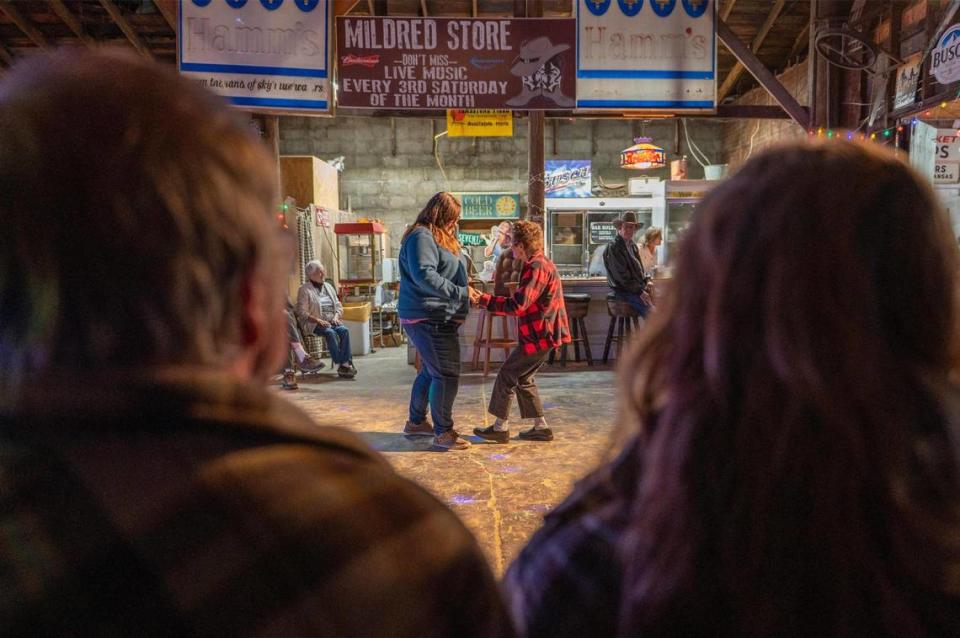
797 469
442 210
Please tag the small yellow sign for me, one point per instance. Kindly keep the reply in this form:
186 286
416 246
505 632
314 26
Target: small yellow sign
479 123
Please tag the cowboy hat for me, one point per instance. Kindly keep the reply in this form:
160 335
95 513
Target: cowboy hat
628 217
534 54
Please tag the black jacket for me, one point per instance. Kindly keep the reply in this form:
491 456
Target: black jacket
625 273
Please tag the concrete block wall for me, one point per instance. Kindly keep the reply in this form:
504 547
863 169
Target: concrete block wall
742 138
391 172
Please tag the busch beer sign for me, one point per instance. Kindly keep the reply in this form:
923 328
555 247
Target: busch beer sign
945 58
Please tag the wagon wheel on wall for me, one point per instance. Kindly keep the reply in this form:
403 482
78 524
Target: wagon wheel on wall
847 49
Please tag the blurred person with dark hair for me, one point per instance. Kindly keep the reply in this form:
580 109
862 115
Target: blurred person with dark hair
151 485
433 304
790 424
543 326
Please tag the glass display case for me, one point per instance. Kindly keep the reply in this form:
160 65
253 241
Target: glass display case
361 250
577 227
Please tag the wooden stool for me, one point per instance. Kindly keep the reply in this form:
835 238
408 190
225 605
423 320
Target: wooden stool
622 316
578 306
486 341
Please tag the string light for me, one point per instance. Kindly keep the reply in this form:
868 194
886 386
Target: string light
943 105
886 133
829 133
873 136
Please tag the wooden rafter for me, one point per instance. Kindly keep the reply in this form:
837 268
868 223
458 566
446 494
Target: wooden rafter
801 40
476 10
727 9
423 8
70 20
343 7
23 23
763 75
737 69
168 9
127 29
5 55
370 8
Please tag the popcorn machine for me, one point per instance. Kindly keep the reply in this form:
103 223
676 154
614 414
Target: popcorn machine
362 248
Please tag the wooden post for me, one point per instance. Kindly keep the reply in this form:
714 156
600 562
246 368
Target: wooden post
271 137
535 131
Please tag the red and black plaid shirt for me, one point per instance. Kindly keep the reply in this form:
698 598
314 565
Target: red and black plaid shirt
538 305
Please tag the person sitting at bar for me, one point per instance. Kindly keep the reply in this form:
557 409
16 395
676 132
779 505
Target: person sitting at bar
152 485
625 273
787 462
321 313
538 303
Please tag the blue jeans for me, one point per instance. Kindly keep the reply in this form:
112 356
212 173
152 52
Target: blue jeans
438 343
635 301
338 343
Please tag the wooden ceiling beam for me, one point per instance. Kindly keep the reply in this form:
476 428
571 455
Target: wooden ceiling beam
23 23
343 7
727 9
758 39
423 8
70 20
127 29
168 9
803 38
476 10
767 80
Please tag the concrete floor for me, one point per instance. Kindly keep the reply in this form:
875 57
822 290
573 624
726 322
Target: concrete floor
500 491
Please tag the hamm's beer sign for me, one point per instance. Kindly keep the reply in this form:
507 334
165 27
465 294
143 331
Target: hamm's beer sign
945 59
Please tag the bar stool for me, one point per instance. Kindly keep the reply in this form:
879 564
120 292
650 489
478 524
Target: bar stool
623 316
486 341
578 305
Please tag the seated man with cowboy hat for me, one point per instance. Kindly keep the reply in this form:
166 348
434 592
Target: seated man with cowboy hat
625 273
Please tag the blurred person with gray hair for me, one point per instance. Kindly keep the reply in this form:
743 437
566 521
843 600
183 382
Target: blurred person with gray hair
151 485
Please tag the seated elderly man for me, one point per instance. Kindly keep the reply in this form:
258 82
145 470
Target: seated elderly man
321 313
151 485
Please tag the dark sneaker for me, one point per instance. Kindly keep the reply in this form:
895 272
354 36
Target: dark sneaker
289 380
534 434
311 365
488 433
418 429
347 371
451 440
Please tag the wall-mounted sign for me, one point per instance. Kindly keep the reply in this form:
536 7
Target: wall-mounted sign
602 232
568 178
945 57
462 123
261 55
647 54
908 75
322 216
471 239
456 63
489 205
946 173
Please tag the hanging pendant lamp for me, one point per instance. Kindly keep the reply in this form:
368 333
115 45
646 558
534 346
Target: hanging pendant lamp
643 155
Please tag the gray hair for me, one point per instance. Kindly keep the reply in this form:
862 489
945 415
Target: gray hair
157 212
313 266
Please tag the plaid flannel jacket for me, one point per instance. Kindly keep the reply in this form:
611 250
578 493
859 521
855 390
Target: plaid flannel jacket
538 305
198 506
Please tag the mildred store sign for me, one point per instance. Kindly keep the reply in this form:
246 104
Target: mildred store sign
945 58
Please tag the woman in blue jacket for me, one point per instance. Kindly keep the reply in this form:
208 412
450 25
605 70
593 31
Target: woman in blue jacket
433 303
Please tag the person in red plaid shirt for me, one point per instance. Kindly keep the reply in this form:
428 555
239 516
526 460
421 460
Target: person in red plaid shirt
542 317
